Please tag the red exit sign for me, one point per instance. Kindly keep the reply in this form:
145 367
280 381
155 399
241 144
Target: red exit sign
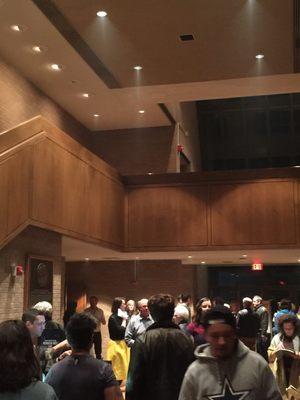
257 267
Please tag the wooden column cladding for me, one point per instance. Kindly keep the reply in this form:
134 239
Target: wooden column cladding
49 180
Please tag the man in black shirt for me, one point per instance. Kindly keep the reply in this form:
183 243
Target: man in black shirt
81 376
160 356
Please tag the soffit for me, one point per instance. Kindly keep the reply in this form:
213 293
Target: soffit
76 250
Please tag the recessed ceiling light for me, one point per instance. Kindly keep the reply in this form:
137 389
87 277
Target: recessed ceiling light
141 111
56 67
296 166
259 56
86 259
203 262
86 95
298 260
18 28
102 14
150 173
96 115
137 67
190 256
244 256
38 49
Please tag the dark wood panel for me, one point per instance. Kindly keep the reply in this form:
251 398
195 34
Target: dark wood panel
72 195
167 216
253 213
19 188
3 200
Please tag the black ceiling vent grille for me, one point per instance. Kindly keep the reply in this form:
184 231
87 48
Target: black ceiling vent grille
186 38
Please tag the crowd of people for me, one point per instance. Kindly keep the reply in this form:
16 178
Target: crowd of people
161 349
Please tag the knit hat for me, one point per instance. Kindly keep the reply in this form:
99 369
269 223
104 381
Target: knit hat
219 315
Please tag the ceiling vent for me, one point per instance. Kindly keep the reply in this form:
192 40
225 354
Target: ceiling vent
186 38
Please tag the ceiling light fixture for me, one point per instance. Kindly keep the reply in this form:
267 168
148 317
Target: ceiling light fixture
203 262
142 111
137 67
38 49
18 28
150 173
259 56
298 260
96 115
102 14
190 256
56 67
86 95
86 259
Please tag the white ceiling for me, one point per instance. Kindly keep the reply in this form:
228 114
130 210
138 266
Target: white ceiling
76 250
248 27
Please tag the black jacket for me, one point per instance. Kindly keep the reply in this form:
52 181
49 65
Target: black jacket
115 328
248 323
263 314
159 359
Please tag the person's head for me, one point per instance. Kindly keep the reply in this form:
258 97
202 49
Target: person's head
257 301
17 362
45 309
247 302
285 304
288 325
80 331
218 301
93 301
186 298
220 331
161 307
205 304
117 303
181 314
34 321
130 307
143 308
202 306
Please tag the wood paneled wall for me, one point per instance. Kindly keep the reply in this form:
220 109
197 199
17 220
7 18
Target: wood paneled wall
14 193
213 215
49 180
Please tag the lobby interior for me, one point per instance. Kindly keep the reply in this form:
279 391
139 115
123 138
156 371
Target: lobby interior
154 149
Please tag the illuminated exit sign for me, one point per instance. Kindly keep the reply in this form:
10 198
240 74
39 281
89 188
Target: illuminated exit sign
257 266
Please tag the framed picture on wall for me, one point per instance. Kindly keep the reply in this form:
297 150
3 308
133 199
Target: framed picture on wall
38 280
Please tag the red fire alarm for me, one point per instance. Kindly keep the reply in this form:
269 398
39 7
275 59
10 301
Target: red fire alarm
179 148
257 266
19 270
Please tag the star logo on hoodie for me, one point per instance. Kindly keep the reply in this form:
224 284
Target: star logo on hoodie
228 393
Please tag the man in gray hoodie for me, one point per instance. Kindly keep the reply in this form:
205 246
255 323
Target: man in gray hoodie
225 368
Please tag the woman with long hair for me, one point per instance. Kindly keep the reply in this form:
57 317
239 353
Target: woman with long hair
195 328
284 353
117 351
18 368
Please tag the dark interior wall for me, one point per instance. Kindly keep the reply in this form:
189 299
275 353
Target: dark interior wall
20 101
137 151
109 279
